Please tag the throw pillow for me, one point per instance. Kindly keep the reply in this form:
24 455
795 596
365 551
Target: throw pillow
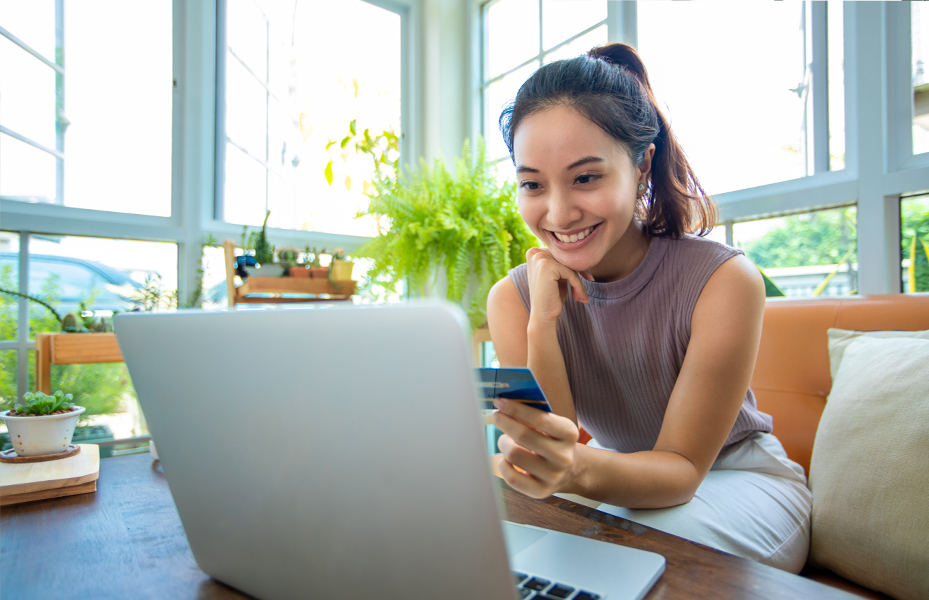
839 339
870 469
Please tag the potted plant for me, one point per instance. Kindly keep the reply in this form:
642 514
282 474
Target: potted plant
464 228
316 269
44 425
340 269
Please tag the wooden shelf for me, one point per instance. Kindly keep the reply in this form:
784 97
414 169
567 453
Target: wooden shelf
268 290
72 349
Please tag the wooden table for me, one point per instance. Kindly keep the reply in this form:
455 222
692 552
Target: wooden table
126 541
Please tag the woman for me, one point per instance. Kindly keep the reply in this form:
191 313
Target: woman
638 330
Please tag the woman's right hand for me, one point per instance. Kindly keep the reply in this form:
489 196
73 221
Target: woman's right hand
549 282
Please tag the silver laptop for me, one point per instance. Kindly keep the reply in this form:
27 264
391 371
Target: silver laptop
339 452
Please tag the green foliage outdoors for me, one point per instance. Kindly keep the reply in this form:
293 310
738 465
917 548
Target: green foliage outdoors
914 242
818 238
829 237
466 223
98 388
39 404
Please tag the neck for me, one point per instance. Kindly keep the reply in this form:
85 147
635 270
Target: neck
624 257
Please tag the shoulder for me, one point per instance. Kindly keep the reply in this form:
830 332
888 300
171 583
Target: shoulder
701 248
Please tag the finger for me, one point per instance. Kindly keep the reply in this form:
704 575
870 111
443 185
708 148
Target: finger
521 482
552 425
530 462
578 291
586 275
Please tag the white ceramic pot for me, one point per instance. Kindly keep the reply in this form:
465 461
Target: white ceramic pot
48 434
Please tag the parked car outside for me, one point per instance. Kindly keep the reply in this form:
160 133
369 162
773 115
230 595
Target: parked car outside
77 280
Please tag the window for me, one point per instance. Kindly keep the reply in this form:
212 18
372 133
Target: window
547 30
808 254
914 237
919 21
302 102
740 96
83 121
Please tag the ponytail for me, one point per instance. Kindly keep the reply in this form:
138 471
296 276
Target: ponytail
610 87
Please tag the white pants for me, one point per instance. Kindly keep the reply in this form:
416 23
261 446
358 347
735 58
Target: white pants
754 503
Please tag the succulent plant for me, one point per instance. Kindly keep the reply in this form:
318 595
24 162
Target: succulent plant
39 404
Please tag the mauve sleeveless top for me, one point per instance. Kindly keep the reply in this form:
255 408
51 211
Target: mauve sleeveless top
624 351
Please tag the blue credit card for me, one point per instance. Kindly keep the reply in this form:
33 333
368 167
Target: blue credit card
511 383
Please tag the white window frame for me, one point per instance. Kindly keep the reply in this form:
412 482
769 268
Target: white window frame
194 168
880 166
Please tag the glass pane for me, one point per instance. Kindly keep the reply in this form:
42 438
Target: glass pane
26 173
315 102
33 22
511 35
106 275
246 110
247 35
496 96
9 363
836 52
214 278
245 188
718 234
581 45
563 18
9 280
810 254
27 94
118 145
738 131
920 45
106 392
914 238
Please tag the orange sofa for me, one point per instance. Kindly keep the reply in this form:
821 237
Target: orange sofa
792 379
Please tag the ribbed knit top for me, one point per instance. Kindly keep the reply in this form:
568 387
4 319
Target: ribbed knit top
624 350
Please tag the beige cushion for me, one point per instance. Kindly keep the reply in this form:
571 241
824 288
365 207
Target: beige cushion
870 468
839 339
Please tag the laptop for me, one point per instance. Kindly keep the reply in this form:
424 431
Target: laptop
339 452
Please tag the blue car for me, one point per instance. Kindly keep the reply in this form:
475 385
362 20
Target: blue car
77 280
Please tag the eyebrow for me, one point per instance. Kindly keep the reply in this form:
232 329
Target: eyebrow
584 161
574 165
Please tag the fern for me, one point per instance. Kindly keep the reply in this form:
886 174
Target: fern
465 222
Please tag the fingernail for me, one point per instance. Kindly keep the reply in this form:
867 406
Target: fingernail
500 404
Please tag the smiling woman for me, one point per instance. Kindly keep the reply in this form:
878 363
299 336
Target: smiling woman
637 329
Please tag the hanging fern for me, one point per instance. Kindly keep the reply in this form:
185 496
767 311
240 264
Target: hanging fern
466 223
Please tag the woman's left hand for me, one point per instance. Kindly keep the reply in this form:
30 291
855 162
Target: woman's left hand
538 448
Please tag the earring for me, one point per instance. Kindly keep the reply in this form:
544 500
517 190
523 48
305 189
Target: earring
641 187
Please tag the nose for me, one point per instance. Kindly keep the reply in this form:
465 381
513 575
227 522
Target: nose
563 212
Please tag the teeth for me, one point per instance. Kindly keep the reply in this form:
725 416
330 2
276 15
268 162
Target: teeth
573 238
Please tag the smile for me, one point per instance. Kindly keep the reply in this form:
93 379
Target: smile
575 237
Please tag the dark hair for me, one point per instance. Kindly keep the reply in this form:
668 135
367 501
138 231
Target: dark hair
609 86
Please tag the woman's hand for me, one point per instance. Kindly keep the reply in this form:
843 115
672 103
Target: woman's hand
538 449
549 281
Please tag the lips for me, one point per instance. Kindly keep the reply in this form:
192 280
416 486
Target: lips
574 237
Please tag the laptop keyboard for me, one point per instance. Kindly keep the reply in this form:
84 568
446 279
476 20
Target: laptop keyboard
542 589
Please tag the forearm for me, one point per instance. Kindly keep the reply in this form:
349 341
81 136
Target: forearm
650 479
546 361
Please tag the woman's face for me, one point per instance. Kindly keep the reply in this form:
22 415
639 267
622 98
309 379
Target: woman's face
577 191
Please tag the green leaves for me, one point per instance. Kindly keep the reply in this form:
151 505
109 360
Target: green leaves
328 172
466 223
39 404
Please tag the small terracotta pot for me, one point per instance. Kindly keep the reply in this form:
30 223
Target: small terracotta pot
299 272
319 272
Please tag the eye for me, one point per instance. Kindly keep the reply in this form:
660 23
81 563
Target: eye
586 178
529 185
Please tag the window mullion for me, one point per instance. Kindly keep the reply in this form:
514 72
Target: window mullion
22 338
820 82
622 23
